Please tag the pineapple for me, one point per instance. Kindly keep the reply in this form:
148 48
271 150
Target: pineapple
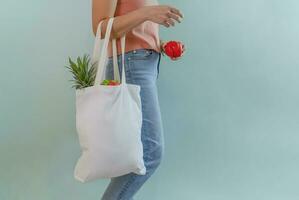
83 72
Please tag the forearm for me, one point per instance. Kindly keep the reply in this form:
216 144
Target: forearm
124 23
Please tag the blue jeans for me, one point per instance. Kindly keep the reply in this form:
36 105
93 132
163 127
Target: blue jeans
142 68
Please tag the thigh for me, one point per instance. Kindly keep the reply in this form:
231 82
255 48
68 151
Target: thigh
143 71
141 67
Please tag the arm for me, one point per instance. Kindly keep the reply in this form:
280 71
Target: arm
104 9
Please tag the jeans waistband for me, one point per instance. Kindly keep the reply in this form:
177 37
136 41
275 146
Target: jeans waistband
137 51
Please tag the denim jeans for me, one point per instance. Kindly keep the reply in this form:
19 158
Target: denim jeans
142 68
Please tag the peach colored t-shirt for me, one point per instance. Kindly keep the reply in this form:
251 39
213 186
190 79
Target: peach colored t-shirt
144 36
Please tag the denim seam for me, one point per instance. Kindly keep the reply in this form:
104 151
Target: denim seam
158 65
145 145
126 186
129 68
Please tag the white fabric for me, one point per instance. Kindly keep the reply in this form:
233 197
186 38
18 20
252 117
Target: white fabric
108 122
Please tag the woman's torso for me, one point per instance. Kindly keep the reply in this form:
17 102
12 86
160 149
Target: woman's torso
144 36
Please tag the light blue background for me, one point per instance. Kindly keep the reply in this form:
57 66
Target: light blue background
229 107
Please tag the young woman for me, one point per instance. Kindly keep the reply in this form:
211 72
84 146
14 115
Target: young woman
139 20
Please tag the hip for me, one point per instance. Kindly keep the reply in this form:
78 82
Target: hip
141 66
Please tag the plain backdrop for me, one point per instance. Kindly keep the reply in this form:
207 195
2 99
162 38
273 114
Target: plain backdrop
229 106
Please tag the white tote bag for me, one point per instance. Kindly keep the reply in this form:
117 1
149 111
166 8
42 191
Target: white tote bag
108 122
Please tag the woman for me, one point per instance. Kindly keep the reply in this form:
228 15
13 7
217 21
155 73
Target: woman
139 20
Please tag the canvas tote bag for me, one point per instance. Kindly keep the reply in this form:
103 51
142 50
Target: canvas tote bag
108 121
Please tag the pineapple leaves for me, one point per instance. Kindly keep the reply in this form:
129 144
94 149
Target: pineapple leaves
83 71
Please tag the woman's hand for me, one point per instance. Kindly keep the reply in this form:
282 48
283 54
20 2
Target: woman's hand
162 14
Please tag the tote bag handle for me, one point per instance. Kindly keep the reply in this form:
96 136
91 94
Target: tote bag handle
97 44
97 51
100 50
115 63
100 53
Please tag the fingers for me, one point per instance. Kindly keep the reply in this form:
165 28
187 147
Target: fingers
164 23
168 22
176 11
174 16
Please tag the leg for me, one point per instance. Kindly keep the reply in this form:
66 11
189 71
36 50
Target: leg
144 73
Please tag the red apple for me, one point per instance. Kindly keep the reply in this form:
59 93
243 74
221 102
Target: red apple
113 82
173 49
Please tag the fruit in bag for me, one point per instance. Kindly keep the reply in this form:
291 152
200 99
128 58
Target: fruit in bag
110 82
